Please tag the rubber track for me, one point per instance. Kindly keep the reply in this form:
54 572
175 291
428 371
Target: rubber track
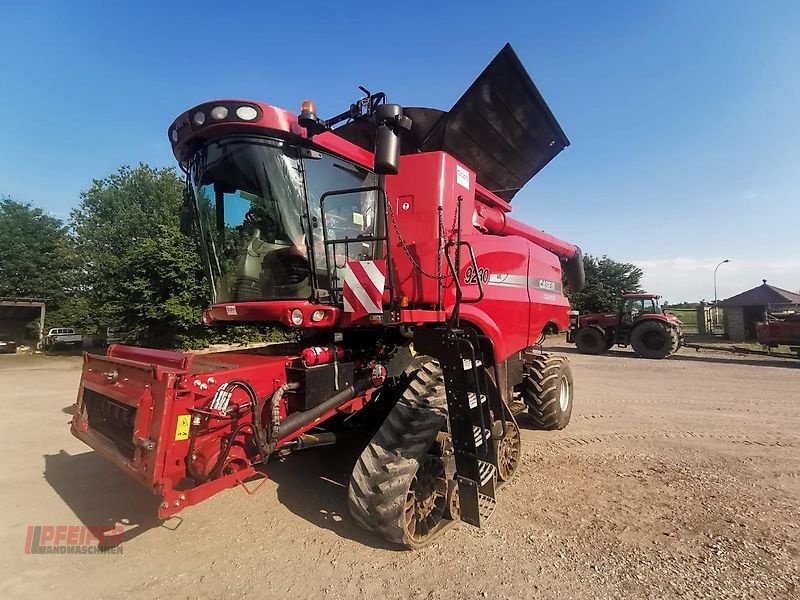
539 388
384 471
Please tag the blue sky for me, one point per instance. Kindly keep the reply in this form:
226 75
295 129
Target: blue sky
684 117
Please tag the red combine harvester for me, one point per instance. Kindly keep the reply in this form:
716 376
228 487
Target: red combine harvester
387 245
639 322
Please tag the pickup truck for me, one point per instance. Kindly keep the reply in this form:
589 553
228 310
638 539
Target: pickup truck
116 336
62 336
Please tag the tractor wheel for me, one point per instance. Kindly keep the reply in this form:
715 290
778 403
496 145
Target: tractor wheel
654 339
677 339
398 488
547 390
590 341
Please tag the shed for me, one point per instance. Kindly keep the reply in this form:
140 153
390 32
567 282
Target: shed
16 313
744 310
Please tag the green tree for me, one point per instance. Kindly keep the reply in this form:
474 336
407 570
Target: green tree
37 257
141 274
163 290
118 219
606 281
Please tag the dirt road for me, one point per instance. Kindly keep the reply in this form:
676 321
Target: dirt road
676 478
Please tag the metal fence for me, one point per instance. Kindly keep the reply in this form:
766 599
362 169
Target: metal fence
701 320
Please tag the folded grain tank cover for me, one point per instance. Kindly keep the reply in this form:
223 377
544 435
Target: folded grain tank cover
501 127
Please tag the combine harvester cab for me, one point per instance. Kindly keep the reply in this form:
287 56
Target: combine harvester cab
389 229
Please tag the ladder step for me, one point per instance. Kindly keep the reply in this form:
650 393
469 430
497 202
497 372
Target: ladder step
468 364
487 471
486 506
473 399
477 502
479 435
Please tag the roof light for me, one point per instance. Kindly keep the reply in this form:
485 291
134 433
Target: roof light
308 116
297 317
199 118
246 113
308 106
174 136
219 112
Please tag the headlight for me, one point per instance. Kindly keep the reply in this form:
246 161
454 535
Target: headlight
219 112
317 316
246 113
297 317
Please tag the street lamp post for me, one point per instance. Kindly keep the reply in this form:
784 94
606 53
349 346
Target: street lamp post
716 310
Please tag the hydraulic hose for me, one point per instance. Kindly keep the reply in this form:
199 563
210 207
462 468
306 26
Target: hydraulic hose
267 443
258 433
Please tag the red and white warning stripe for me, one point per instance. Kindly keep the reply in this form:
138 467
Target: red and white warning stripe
362 291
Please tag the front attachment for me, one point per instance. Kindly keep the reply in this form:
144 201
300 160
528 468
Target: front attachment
178 424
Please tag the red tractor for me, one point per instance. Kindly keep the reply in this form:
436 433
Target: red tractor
640 322
382 237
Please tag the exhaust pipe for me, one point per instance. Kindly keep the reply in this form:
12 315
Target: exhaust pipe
299 420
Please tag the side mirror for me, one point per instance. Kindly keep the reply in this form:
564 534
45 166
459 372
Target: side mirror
186 219
390 123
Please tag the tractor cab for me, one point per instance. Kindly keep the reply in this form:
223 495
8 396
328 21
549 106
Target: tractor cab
633 308
634 305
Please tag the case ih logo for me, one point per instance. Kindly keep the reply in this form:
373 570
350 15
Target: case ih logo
545 284
74 539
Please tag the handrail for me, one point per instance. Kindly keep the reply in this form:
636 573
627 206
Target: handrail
389 285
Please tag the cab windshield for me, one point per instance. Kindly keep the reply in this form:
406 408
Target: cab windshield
258 209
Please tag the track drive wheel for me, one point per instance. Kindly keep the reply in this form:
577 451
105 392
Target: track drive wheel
547 390
654 339
590 341
509 452
398 488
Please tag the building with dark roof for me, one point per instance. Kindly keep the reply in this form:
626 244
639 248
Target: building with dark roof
744 310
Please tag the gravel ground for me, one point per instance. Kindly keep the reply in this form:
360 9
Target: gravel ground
675 478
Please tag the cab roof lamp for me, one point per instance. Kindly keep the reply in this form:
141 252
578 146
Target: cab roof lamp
219 112
246 113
